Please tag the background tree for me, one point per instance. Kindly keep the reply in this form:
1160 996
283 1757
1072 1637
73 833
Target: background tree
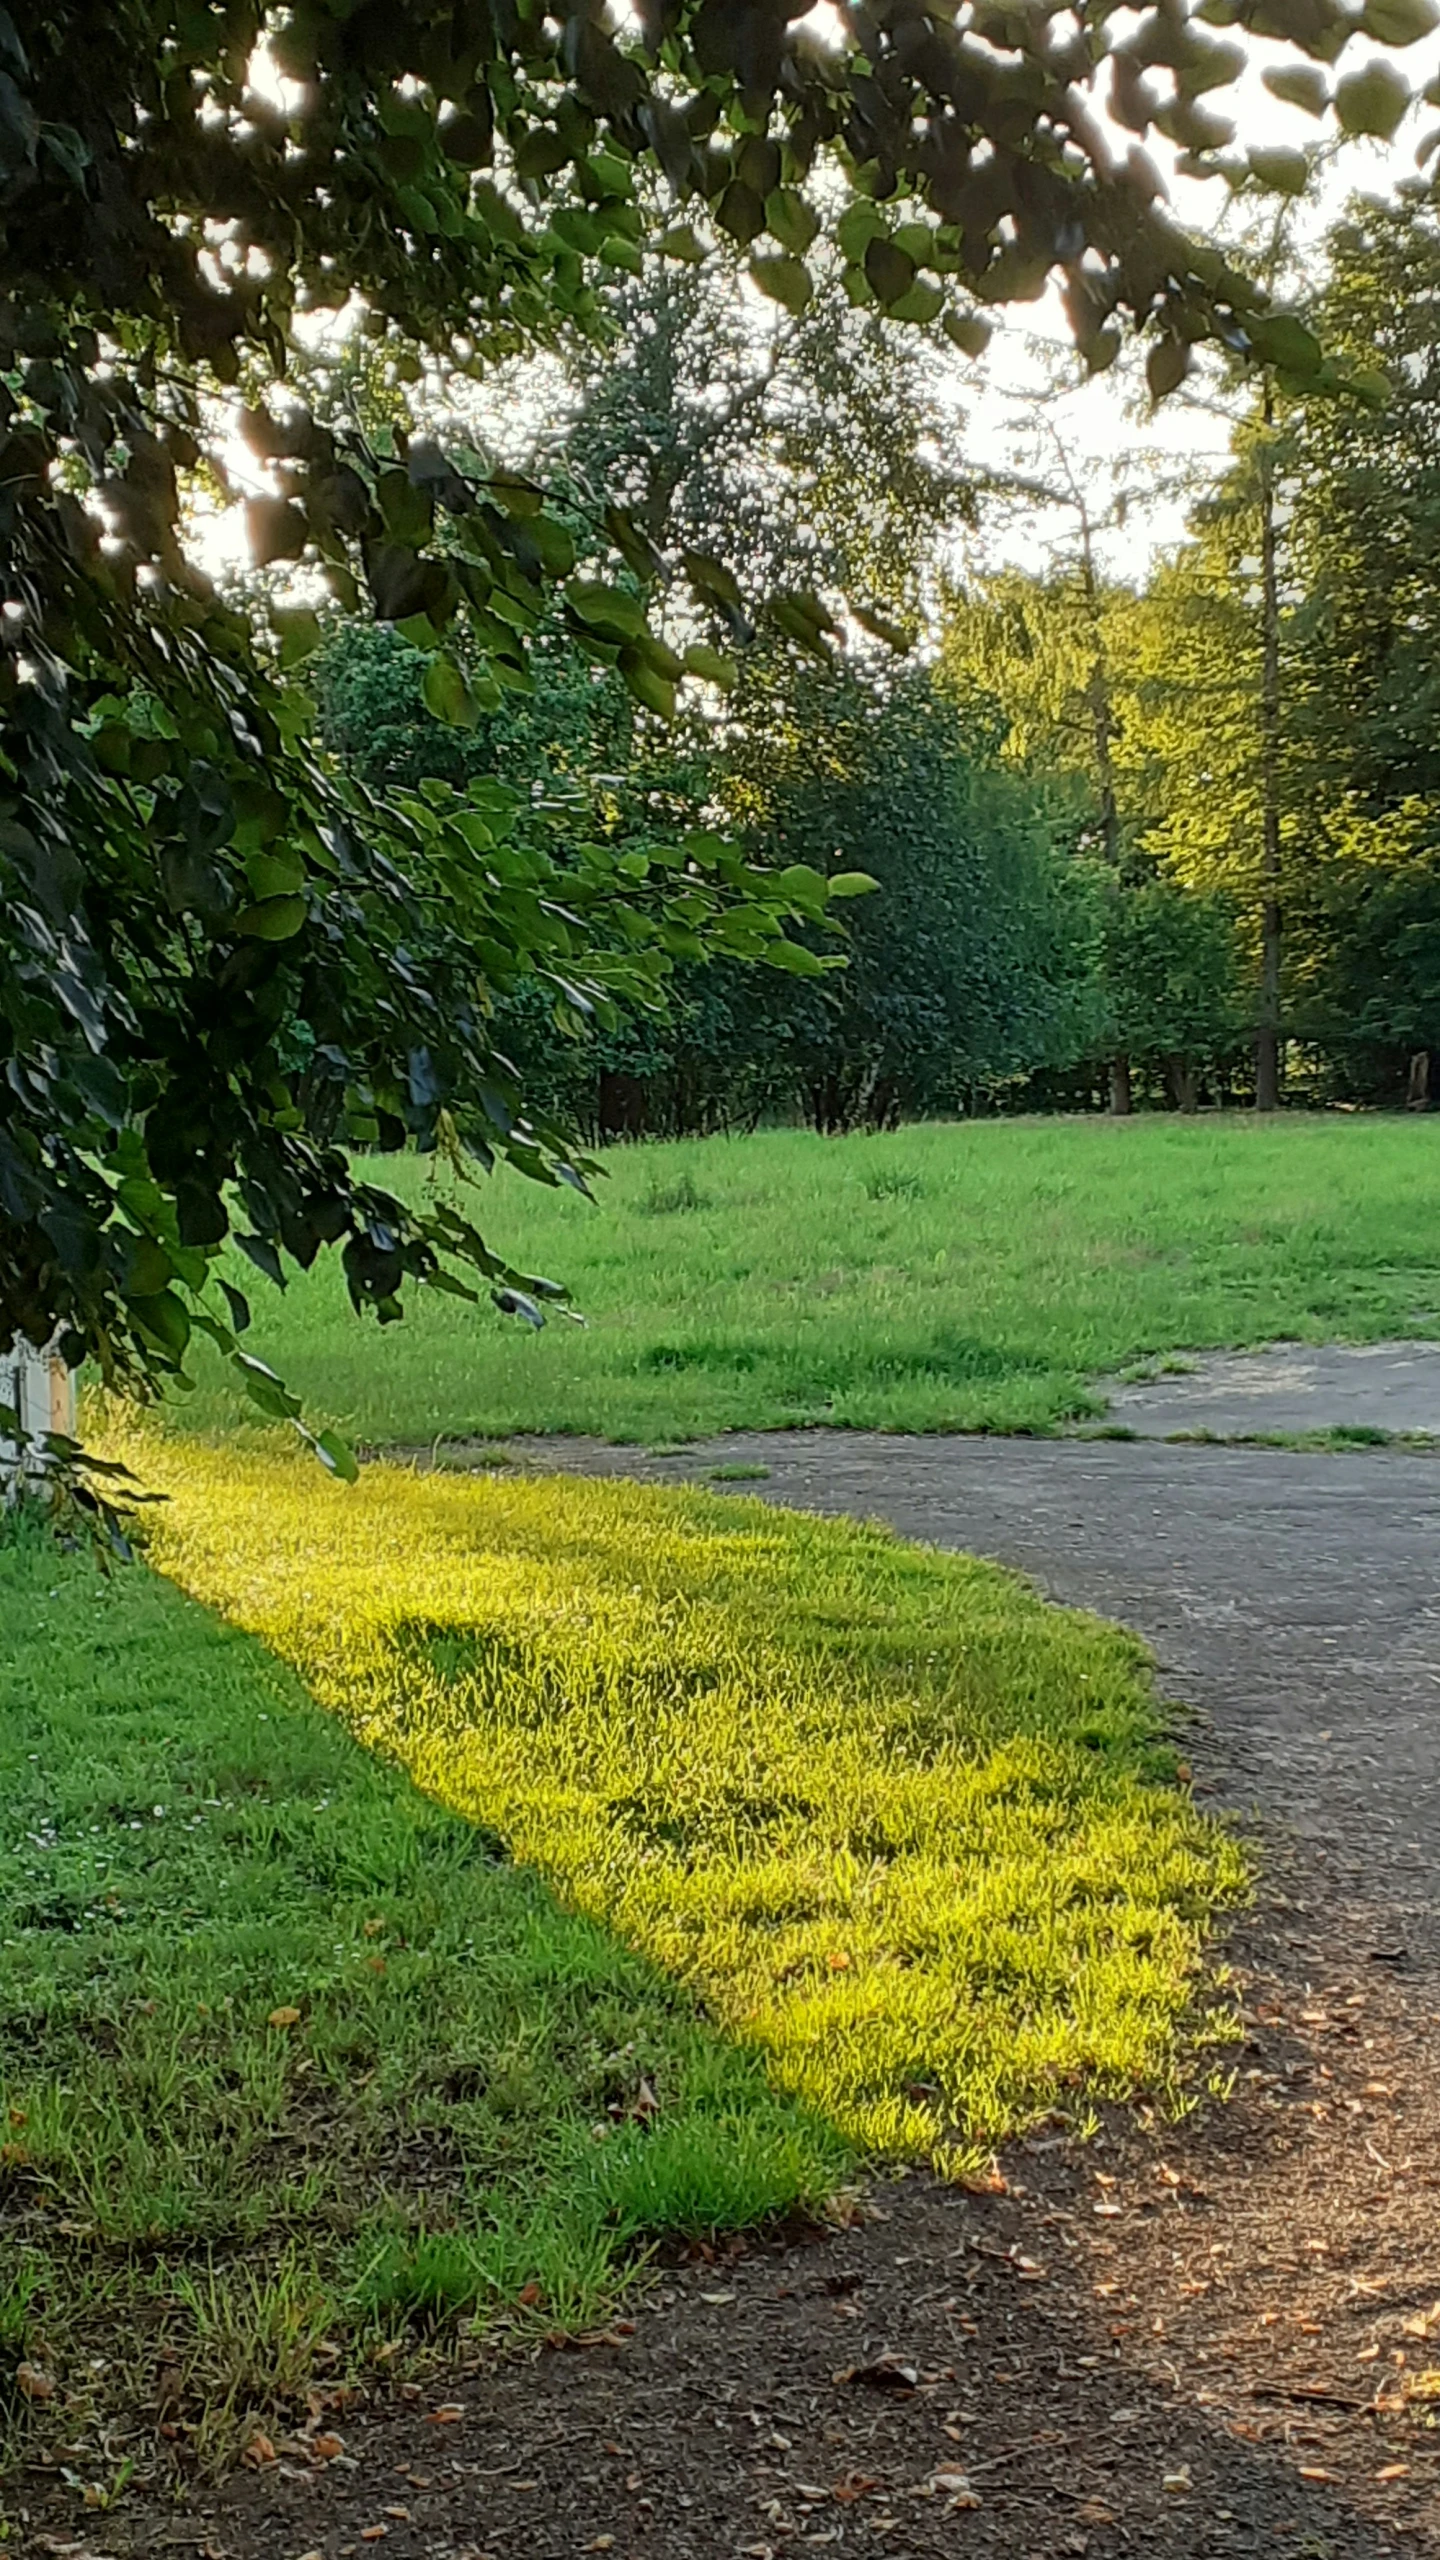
1046 648
959 973
706 412
1173 994
1363 537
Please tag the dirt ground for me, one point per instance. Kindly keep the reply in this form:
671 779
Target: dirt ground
1212 2338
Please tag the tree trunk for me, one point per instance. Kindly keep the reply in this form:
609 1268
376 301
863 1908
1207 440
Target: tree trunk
1184 1085
1267 1036
621 1105
1120 1088
1417 1097
1102 710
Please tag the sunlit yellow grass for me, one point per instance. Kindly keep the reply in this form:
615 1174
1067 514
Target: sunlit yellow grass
897 1821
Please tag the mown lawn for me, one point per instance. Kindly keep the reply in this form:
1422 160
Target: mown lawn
628 1864
973 1277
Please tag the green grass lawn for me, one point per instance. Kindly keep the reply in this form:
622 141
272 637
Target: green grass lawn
526 1872
970 1277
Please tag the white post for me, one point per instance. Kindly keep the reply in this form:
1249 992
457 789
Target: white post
41 1390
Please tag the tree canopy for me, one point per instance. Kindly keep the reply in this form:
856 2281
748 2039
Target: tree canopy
221 957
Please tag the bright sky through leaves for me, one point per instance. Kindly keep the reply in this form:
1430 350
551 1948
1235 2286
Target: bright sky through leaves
994 398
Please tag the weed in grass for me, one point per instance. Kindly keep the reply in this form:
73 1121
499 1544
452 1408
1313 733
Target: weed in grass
672 1199
255 2327
892 1182
21 2287
471 1457
737 1473
1057 1251
1336 1438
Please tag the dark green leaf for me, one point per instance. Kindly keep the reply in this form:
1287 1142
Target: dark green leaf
784 280
272 919
448 695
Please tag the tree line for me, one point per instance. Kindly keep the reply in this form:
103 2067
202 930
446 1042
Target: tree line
1167 844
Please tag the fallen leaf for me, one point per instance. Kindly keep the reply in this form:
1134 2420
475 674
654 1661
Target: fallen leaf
259 2451
856 2484
374 1929
955 2487
529 2294
446 2414
326 2445
717 2297
34 2382
376 1963
885 2373
1394 2471
838 1963
1178 2482
401 2514
1095 2511
1317 2471
373 2532
284 2018
602 2542
1106 2208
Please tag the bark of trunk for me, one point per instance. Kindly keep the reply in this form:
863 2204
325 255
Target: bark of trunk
1417 1097
1184 1085
1267 1035
1102 718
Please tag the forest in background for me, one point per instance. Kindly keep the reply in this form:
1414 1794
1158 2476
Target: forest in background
1170 845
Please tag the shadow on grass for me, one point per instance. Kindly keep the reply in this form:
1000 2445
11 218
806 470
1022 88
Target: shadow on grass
287 2050
822 1845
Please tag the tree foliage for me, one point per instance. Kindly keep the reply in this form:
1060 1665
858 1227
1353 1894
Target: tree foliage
960 973
220 957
